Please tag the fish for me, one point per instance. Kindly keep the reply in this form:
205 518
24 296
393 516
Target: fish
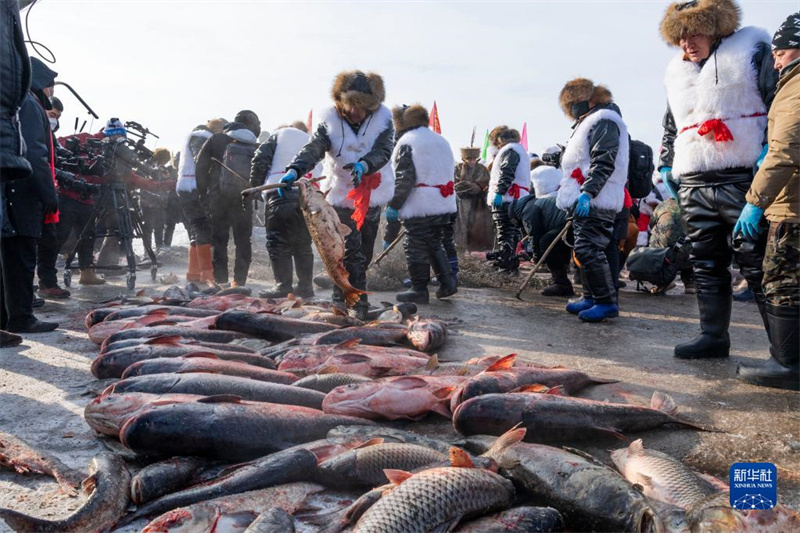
405 309
232 513
716 514
370 335
175 331
274 328
227 429
169 310
233 346
107 488
220 303
327 381
100 313
396 398
555 418
207 363
427 335
328 234
107 413
18 455
334 317
246 291
661 476
366 433
471 367
274 520
100 332
503 376
352 358
114 363
165 477
216 384
516 520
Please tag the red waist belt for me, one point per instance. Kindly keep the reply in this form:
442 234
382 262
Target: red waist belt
446 190
361 196
514 191
717 125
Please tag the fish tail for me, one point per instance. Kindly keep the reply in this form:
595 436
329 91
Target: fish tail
353 295
598 381
23 523
694 425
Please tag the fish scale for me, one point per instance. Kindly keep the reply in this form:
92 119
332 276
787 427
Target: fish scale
436 497
365 466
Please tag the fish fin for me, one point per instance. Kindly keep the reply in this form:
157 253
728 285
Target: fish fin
442 408
162 402
160 311
506 440
433 363
350 358
597 381
171 339
221 398
663 402
338 312
448 526
636 447
460 459
444 393
333 369
504 363
588 457
409 382
388 304
557 391
463 371
534 387
396 477
646 481
205 355
140 293
198 371
613 432
370 442
344 230
351 343
89 484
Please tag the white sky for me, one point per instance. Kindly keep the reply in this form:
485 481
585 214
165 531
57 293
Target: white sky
171 65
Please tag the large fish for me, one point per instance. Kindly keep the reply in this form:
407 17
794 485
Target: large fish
274 328
175 331
273 520
715 514
327 381
100 332
221 303
183 341
107 488
555 418
216 384
227 430
396 398
350 358
371 335
365 433
207 363
20 456
107 413
427 335
328 234
144 310
517 520
165 477
471 367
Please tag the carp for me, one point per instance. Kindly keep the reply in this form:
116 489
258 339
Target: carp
145 310
352 358
209 363
20 456
273 520
182 341
174 331
327 381
100 332
107 413
365 433
274 328
517 520
427 335
164 477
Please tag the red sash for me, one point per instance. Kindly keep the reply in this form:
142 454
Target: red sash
446 190
717 126
577 175
514 191
361 196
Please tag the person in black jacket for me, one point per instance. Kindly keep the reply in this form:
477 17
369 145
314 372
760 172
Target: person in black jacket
27 203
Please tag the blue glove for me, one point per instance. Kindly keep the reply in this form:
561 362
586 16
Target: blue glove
289 178
391 214
762 156
497 202
386 244
357 170
748 222
583 205
666 179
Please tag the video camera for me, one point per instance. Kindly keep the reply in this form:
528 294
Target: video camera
68 180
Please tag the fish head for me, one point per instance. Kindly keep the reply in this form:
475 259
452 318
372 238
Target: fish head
107 412
620 458
353 399
184 520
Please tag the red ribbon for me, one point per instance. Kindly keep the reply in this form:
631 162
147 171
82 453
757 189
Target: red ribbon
361 196
52 218
628 202
448 189
717 125
577 175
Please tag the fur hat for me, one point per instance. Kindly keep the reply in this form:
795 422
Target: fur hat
406 117
715 18
582 90
354 88
473 152
545 180
503 135
162 156
299 125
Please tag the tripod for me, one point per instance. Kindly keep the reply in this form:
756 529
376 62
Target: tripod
129 227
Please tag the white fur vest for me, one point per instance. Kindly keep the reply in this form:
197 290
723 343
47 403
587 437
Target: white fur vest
576 161
522 174
434 165
348 147
725 90
288 142
186 178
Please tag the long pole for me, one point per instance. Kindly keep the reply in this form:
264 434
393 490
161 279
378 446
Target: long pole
542 259
388 249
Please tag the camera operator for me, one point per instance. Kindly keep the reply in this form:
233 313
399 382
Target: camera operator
154 203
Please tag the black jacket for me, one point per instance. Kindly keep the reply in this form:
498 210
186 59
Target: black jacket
261 167
508 169
405 175
767 80
604 145
207 171
15 73
537 216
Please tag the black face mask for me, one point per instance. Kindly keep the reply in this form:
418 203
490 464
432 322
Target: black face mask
578 109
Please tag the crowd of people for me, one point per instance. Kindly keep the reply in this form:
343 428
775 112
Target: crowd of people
724 189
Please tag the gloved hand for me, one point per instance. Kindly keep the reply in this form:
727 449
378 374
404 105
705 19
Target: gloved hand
666 179
497 202
391 214
748 222
583 205
386 244
357 171
762 156
51 206
289 178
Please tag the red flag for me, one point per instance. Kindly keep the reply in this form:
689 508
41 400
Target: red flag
434 120
524 140
308 122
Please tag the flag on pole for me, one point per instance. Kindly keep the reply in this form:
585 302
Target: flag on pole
485 150
524 140
434 120
308 122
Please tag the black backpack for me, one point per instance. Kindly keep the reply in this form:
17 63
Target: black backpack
658 266
237 158
640 169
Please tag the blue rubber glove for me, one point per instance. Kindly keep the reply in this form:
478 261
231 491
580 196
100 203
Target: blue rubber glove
762 156
497 202
357 171
391 214
748 222
666 179
583 205
386 244
289 178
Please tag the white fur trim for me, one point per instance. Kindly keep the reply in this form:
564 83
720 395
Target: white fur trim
288 142
435 165
545 180
354 146
186 178
725 88
578 155
522 174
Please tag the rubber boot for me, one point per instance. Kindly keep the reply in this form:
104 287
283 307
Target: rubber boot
89 277
34 326
418 293
282 272
193 271
8 340
782 369
454 269
441 266
761 303
361 309
561 285
205 263
587 301
599 312
715 317
304 266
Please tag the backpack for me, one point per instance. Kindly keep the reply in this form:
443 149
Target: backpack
658 266
237 158
640 169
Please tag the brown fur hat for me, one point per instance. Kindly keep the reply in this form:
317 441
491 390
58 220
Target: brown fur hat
502 135
473 152
582 90
536 163
409 116
354 88
715 18
299 125
161 156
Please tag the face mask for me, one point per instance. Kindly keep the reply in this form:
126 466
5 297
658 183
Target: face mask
579 109
53 123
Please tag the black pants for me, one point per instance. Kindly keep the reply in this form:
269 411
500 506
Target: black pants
391 231
46 255
507 233
73 217
17 262
172 216
153 217
423 243
613 253
359 247
228 215
559 257
198 223
288 238
448 236
592 236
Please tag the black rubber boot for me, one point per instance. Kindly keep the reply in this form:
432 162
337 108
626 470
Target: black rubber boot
8 340
715 317
782 369
282 271
418 294
361 309
441 266
761 303
304 266
561 285
33 326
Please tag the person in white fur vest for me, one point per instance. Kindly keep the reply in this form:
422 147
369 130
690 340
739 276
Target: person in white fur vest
356 138
720 86
595 168
424 200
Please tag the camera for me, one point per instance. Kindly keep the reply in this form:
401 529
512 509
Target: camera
554 159
69 181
